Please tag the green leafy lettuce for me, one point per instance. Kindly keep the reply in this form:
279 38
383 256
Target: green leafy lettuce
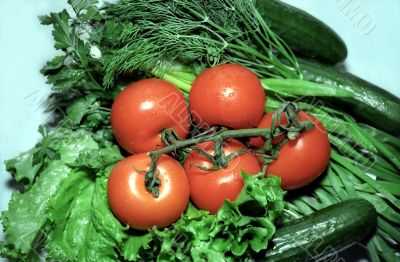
63 214
64 191
239 229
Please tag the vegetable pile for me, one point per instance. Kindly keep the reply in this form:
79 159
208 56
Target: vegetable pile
107 141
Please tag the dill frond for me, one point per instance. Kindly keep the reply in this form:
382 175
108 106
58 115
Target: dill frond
203 32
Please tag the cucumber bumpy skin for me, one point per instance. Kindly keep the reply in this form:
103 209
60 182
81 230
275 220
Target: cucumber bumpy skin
324 231
302 32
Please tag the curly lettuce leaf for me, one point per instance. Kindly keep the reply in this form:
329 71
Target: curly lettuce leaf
76 148
239 229
23 168
134 245
67 209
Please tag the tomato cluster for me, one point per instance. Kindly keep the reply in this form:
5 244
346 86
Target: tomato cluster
228 96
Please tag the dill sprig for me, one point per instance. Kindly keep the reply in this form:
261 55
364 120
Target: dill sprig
206 32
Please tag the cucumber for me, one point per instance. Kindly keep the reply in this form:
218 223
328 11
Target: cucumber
303 33
324 231
370 103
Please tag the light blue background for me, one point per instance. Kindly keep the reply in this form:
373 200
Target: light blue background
25 46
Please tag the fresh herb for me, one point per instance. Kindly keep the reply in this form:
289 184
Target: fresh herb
203 32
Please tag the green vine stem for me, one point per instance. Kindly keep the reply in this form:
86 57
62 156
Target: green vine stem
152 182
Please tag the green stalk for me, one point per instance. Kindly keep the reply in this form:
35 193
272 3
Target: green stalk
297 87
183 85
152 182
389 229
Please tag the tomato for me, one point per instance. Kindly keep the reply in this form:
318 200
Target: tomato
143 110
228 95
133 205
302 160
209 189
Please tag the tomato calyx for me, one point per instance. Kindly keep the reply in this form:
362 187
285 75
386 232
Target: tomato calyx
219 160
169 136
292 129
294 126
151 182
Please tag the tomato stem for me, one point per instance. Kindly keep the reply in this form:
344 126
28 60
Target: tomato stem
290 109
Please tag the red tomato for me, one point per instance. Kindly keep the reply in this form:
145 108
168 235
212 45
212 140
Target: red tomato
133 205
209 189
228 95
302 160
143 110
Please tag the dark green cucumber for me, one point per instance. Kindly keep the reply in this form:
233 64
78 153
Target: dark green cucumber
370 103
324 231
302 32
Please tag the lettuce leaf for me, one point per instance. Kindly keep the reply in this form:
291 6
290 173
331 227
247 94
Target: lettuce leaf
23 168
57 189
239 229
25 221
84 228
64 213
